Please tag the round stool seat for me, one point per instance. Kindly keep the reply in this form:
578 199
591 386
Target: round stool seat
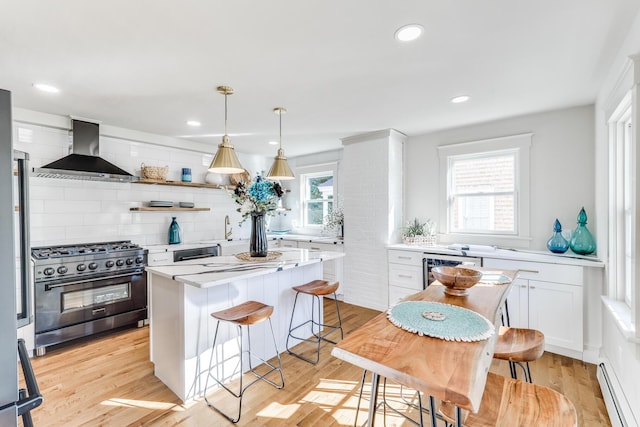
317 288
513 403
519 344
247 313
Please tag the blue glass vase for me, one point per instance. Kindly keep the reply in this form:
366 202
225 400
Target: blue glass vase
174 232
582 241
557 243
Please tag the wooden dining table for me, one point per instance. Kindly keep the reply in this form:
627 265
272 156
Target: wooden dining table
450 371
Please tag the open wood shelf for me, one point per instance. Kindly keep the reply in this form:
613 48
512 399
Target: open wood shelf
181 184
145 208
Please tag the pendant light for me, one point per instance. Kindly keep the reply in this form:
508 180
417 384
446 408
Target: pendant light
280 169
225 161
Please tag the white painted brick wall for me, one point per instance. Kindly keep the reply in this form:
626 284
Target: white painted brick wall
372 174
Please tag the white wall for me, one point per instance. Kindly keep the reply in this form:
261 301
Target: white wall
562 168
372 172
69 211
621 353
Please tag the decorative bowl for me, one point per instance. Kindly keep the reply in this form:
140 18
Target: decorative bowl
457 280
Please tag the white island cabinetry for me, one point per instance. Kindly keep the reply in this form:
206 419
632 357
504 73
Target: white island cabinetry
184 294
332 271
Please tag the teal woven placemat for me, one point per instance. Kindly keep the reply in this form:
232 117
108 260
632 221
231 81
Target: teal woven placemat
439 320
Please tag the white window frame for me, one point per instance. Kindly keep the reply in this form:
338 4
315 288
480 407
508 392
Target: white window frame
623 201
312 171
520 145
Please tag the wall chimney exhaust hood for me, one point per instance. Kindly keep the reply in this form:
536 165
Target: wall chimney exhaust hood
84 162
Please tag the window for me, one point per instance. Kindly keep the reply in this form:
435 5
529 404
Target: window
622 202
482 194
317 188
485 185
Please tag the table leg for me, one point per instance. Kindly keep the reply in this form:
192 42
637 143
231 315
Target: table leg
432 411
373 403
458 417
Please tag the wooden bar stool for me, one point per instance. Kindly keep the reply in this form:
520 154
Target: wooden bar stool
514 403
519 346
316 289
246 314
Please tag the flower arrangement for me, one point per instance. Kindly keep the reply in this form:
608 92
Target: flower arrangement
334 221
258 195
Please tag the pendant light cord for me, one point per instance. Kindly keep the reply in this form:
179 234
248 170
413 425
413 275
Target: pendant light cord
225 113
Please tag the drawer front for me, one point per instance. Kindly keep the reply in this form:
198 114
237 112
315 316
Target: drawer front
397 294
159 258
557 273
405 257
405 276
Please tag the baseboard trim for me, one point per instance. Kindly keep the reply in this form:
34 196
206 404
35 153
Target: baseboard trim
618 407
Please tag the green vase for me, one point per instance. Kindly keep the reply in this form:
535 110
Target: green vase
582 241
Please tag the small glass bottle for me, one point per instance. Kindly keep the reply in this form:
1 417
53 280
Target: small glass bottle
174 232
582 241
557 243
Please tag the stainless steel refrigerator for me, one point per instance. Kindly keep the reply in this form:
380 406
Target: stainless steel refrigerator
15 296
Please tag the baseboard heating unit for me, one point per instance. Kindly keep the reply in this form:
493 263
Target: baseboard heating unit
619 410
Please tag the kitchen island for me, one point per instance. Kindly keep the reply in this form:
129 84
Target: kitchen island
182 296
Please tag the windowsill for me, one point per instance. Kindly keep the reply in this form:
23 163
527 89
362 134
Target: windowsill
622 317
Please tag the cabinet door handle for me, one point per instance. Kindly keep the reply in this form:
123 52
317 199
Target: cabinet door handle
532 287
405 276
528 271
314 249
404 257
523 286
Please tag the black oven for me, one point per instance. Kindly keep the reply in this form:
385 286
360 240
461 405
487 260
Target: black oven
84 290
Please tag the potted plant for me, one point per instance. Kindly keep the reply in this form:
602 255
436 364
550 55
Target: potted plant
418 233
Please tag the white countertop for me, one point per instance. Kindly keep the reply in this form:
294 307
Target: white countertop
512 254
213 271
307 238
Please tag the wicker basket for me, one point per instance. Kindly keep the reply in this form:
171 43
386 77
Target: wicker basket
419 240
159 173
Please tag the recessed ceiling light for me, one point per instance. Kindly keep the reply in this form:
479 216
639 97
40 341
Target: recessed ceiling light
193 123
460 99
273 142
46 88
409 32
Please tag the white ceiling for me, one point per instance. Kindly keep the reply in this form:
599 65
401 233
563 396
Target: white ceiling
150 65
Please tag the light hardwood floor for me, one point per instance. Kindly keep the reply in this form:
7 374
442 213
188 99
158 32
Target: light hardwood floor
109 381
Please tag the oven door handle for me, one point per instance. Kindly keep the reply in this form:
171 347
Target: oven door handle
79 282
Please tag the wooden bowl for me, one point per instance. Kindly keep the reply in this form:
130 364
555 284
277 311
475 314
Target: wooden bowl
457 280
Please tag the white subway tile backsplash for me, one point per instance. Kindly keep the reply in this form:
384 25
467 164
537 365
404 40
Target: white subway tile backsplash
75 211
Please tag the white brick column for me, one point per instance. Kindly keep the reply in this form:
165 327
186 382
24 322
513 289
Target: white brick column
372 191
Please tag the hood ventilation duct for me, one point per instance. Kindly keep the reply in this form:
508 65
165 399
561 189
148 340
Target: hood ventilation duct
84 162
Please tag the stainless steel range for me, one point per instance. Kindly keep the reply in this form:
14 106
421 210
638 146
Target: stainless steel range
85 289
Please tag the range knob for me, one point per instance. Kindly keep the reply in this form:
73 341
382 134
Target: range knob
139 260
93 266
129 261
62 269
49 271
109 264
81 267
120 263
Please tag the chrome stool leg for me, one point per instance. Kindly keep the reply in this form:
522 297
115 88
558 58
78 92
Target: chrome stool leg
319 337
239 395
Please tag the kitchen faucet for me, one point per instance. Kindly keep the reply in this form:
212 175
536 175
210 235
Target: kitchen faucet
227 232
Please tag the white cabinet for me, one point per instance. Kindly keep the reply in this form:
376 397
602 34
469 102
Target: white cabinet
547 297
405 274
